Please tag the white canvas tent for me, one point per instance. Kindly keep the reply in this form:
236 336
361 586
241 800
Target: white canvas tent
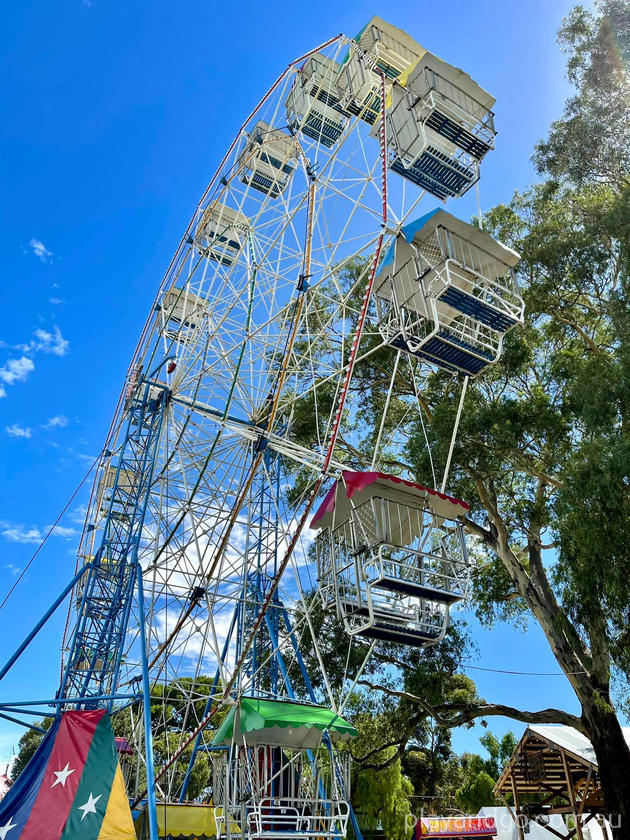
507 828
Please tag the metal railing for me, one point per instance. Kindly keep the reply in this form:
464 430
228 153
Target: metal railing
429 571
498 295
274 817
464 108
221 819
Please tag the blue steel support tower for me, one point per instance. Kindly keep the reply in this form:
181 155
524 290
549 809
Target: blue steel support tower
106 593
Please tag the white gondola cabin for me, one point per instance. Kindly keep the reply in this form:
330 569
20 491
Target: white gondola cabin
117 504
268 160
221 233
384 48
440 125
180 311
391 557
278 772
446 291
313 102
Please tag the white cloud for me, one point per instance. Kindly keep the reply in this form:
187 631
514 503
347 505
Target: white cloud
17 533
52 342
40 250
56 301
20 534
46 342
16 370
18 431
78 514
62 531
60 421
13 569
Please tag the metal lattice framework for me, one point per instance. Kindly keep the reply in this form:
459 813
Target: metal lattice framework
196 557
256 323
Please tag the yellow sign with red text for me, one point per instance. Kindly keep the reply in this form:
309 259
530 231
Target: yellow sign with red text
457 827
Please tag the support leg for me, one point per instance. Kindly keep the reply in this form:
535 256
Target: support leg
146 702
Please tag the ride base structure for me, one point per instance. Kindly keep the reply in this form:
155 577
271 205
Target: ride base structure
306 255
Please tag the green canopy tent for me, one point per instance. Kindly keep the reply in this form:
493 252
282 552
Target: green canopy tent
281 723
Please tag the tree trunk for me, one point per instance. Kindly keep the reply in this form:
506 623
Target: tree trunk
613 762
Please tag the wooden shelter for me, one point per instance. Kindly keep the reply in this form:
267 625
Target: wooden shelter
553 771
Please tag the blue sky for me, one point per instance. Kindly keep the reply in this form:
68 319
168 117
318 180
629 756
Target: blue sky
115 115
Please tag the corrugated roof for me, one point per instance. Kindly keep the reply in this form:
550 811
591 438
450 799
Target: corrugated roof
569 739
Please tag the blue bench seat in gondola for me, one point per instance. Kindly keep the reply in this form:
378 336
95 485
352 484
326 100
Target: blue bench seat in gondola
437 173
383 632
263 184
233 244
457 134
439 352
367 113
447 348
417 590
286 168
478 309
391 631
390 71
326 98
318 128
400 343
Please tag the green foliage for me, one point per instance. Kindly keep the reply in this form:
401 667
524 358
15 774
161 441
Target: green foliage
590 142
176 709
476 793
27 746
500 752
382 798
380 795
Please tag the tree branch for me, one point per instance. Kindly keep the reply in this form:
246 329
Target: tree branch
570 322
536 590
466 713
397 743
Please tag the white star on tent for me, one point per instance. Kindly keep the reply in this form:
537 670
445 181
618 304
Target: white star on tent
5 829
62 775
90 805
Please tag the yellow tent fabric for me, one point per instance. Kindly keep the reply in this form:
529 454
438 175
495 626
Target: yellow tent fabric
194 821
117 823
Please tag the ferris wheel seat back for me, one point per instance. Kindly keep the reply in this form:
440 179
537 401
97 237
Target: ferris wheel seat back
440 126
115 490
447 100
268 159
221 233
411 624
447 291
381 48
302 818
313 102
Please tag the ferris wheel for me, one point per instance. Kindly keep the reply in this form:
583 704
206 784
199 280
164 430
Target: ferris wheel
236 500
